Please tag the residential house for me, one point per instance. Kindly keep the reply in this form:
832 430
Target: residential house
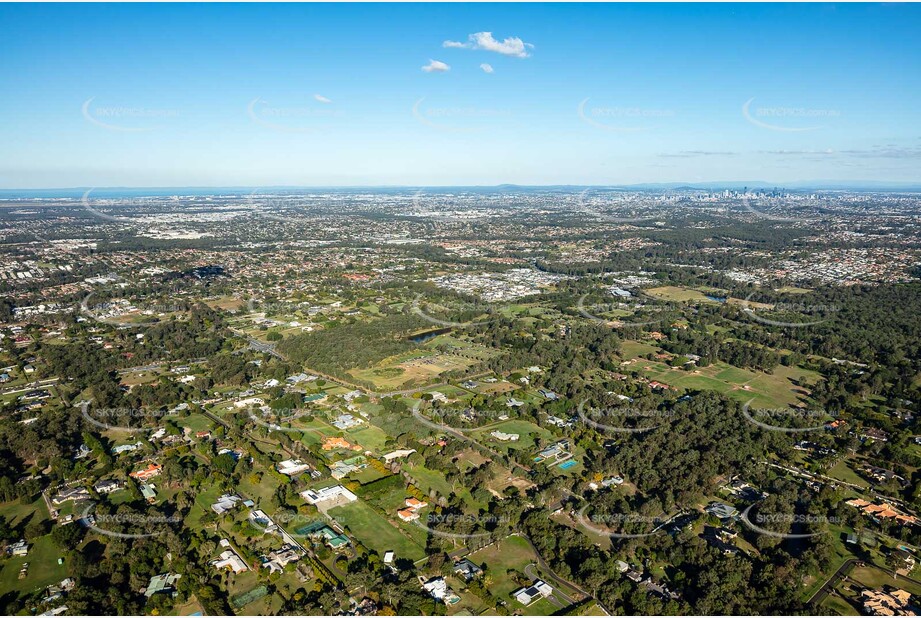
125 448
70 493
438 589
277 559
149 493
721 510
165 582
292 467
467 570
149 472
346 421
328 495
20 548
398 454
226 503
538 590
229 559
891 602
108 486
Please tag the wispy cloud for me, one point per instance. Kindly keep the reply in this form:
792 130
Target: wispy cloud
889 151
436 66
799 153
487 68
321 98
886 152
684 154
511 46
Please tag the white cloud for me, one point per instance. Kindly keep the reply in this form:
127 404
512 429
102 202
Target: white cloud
321 98
511 46
436 66
487 68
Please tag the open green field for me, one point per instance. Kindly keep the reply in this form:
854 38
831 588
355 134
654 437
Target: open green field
19 514
44 569
411 368
141 377
371 438
450 391
424 364
836 606
592 609
368 475
375 532
769 390
875 578
260 492
789 289
843 471
681 294
196 422
526 430
633 349
513 553
432 479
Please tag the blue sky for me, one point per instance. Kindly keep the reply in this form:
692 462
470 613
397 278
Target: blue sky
260 95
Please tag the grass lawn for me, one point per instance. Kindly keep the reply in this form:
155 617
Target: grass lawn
592 609
375 532
772 390
844 472
188 608
680 294
44 569
511 553
400 371
526 431
837 606
260 492
841 552
633 349
203 501
196 422
874 578
432 479
371 438
15 512
368 475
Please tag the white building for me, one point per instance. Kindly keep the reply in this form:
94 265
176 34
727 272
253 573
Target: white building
538 590
398 454
292 467
335 493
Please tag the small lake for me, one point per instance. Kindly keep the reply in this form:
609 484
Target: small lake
429 334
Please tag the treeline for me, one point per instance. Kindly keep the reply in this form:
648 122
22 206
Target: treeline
713 346
337 349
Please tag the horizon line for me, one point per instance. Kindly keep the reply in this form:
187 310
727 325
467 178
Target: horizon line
799 184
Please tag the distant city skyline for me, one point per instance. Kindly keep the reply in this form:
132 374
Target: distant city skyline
319 96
